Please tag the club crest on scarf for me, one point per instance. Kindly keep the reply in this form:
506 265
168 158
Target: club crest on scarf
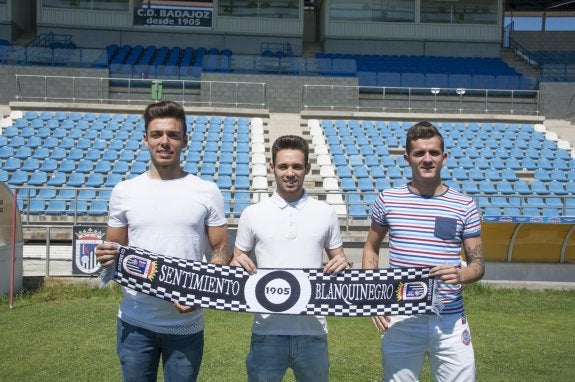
140 266
411 291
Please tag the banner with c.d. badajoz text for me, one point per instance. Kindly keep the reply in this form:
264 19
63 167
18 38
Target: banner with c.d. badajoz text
350 293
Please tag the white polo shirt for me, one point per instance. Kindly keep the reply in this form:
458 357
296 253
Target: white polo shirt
288 235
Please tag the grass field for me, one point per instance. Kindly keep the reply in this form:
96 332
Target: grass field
66 332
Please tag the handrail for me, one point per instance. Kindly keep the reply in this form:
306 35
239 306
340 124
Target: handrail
75 217
419 99
97 89
522 52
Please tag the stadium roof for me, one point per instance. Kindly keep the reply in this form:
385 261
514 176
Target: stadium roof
539 5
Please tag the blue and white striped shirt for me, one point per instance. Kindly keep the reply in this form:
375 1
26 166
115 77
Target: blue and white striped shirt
428 231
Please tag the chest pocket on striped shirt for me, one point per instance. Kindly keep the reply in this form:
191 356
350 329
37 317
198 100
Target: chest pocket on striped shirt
445 228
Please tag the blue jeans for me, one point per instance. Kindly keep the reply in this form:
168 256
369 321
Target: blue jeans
271 355
140 350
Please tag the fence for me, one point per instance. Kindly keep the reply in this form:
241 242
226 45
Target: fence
425 100
140 91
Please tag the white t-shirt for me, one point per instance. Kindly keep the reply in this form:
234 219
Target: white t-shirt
168 217
288 235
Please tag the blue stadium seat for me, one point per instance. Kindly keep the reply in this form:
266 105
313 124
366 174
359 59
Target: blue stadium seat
242 169
459 173
76 179
85 166
542 175
505 187
120 167
37 207
224 182
365 185
38 178
95 180
87 194
79 208
242 182
394 172
30 164
492 211
112 179
531 211
348 184
557 188
534 201
56 207
103 167
18 178
126 155
499 201
358 211
98 208
511 211
509 174
521 187
539 187
12 164
487 187
17 141
138 168
6 152
376 172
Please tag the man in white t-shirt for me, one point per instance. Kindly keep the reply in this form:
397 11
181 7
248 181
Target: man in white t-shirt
170 212
289 230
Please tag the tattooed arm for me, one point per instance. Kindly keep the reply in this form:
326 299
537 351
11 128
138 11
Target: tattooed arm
370 259
218 238
474 256
470 274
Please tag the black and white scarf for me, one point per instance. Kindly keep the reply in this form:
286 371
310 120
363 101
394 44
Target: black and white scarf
349 293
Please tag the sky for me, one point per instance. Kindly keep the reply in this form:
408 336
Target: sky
535 23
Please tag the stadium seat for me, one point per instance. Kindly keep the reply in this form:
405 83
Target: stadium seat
98 208
37 178
557 188
76 179
242 183
120 167
12 164
487 187
539 187
470 187
30 164
78 208
37 207
18 178
56 207
95 180
112 179
505 187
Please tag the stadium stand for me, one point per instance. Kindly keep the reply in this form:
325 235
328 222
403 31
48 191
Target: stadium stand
84 167
503 177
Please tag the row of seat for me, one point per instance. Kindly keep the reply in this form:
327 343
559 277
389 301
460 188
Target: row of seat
218 148
350 163
471 65
83 205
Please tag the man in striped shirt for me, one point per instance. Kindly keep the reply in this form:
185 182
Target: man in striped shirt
428 222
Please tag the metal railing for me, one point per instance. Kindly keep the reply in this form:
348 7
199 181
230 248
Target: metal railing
235 201
230 94
427 100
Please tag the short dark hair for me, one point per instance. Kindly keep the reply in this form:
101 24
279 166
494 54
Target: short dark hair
164 109
422 130
290 142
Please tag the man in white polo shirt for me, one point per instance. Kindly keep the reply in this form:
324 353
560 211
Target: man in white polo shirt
289 230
